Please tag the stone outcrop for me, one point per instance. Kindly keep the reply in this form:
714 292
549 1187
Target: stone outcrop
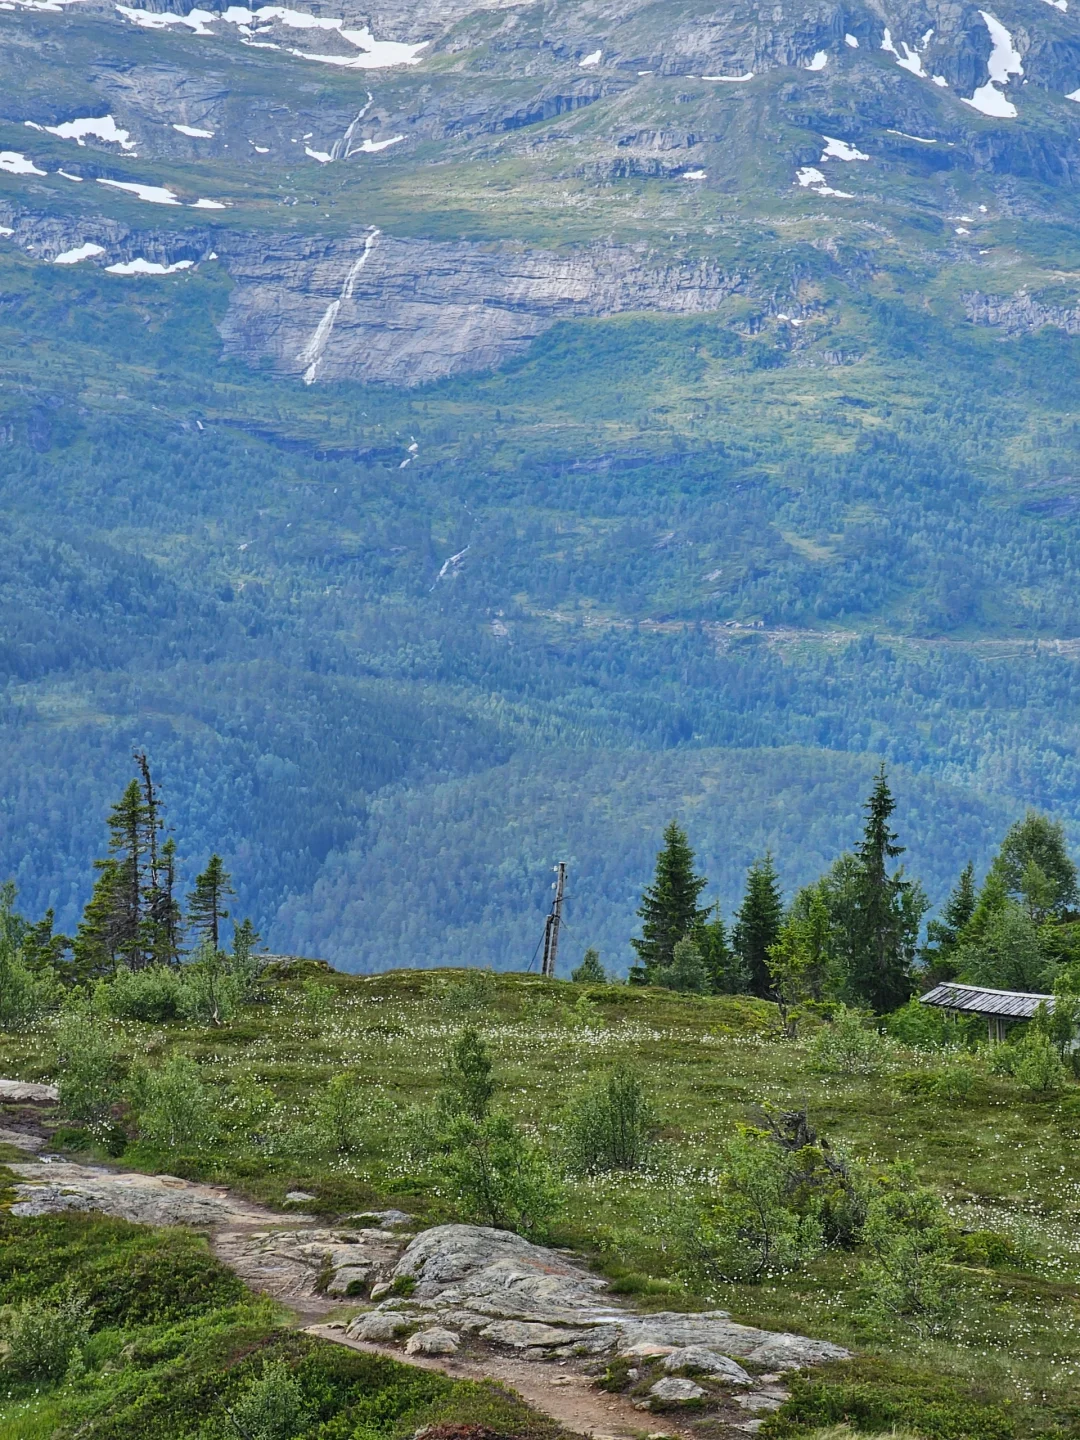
49 1188
1020 314
382 308
301 1264
531 1299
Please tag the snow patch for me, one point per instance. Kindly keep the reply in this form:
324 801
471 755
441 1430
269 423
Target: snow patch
593 59
852 41
919 139
209 205
194 132
820 60
909 60
68 176
694 175
961 230
731 79
321 155
376 54
1073 95
17 164
841 150
372 147
101 127
1061 5
6 229
259 149
1004 61
196 20
84 252
139 266
155 194
810 178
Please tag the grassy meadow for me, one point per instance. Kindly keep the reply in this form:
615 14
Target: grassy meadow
1001 1159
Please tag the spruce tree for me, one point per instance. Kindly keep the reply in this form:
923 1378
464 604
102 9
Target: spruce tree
757 924
129 846
206 903
97 940
165 916
943 936
669 907
726 972
590 971
887 911
960 905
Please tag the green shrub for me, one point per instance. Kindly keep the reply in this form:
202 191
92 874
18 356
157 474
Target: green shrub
272 1407
46 1337
467 1079
339 1113
88 1069
990 1251
925 1027
213 989
751 1230
496 1175
609 1126
1037 1065
318 999
849 1045
468 992
176 1108
155 994
907 1279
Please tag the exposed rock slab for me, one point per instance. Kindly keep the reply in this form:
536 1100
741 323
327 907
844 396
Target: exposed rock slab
27 1091
545 1302
404 311
300 1264
50 1189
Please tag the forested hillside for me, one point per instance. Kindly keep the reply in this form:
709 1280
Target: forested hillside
797 498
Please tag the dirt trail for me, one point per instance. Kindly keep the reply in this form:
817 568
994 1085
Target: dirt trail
569 1397
311 1268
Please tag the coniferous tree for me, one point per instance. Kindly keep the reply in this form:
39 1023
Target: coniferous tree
887 911
167 918
944 934
128 842
726 972
590 971
669 907
206 903
757 924
98 938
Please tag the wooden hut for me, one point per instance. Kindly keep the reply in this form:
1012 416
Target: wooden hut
1000 1007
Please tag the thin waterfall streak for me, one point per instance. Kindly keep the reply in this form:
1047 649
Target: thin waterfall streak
313 351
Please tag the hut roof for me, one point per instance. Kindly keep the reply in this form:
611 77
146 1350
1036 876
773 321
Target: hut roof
978 1000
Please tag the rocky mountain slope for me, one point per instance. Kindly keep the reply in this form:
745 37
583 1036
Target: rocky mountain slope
410 191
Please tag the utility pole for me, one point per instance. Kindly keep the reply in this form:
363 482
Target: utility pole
554 920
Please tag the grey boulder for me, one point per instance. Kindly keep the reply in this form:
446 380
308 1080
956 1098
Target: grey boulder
707 1362
675 1390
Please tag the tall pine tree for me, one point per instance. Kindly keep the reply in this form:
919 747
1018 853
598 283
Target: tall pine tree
112 930
206 903
757 924
886 913
669 908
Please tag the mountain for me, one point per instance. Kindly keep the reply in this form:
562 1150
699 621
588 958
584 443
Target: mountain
457 437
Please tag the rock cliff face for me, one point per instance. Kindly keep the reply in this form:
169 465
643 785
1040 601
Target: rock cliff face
688 123
1021 314
376 307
